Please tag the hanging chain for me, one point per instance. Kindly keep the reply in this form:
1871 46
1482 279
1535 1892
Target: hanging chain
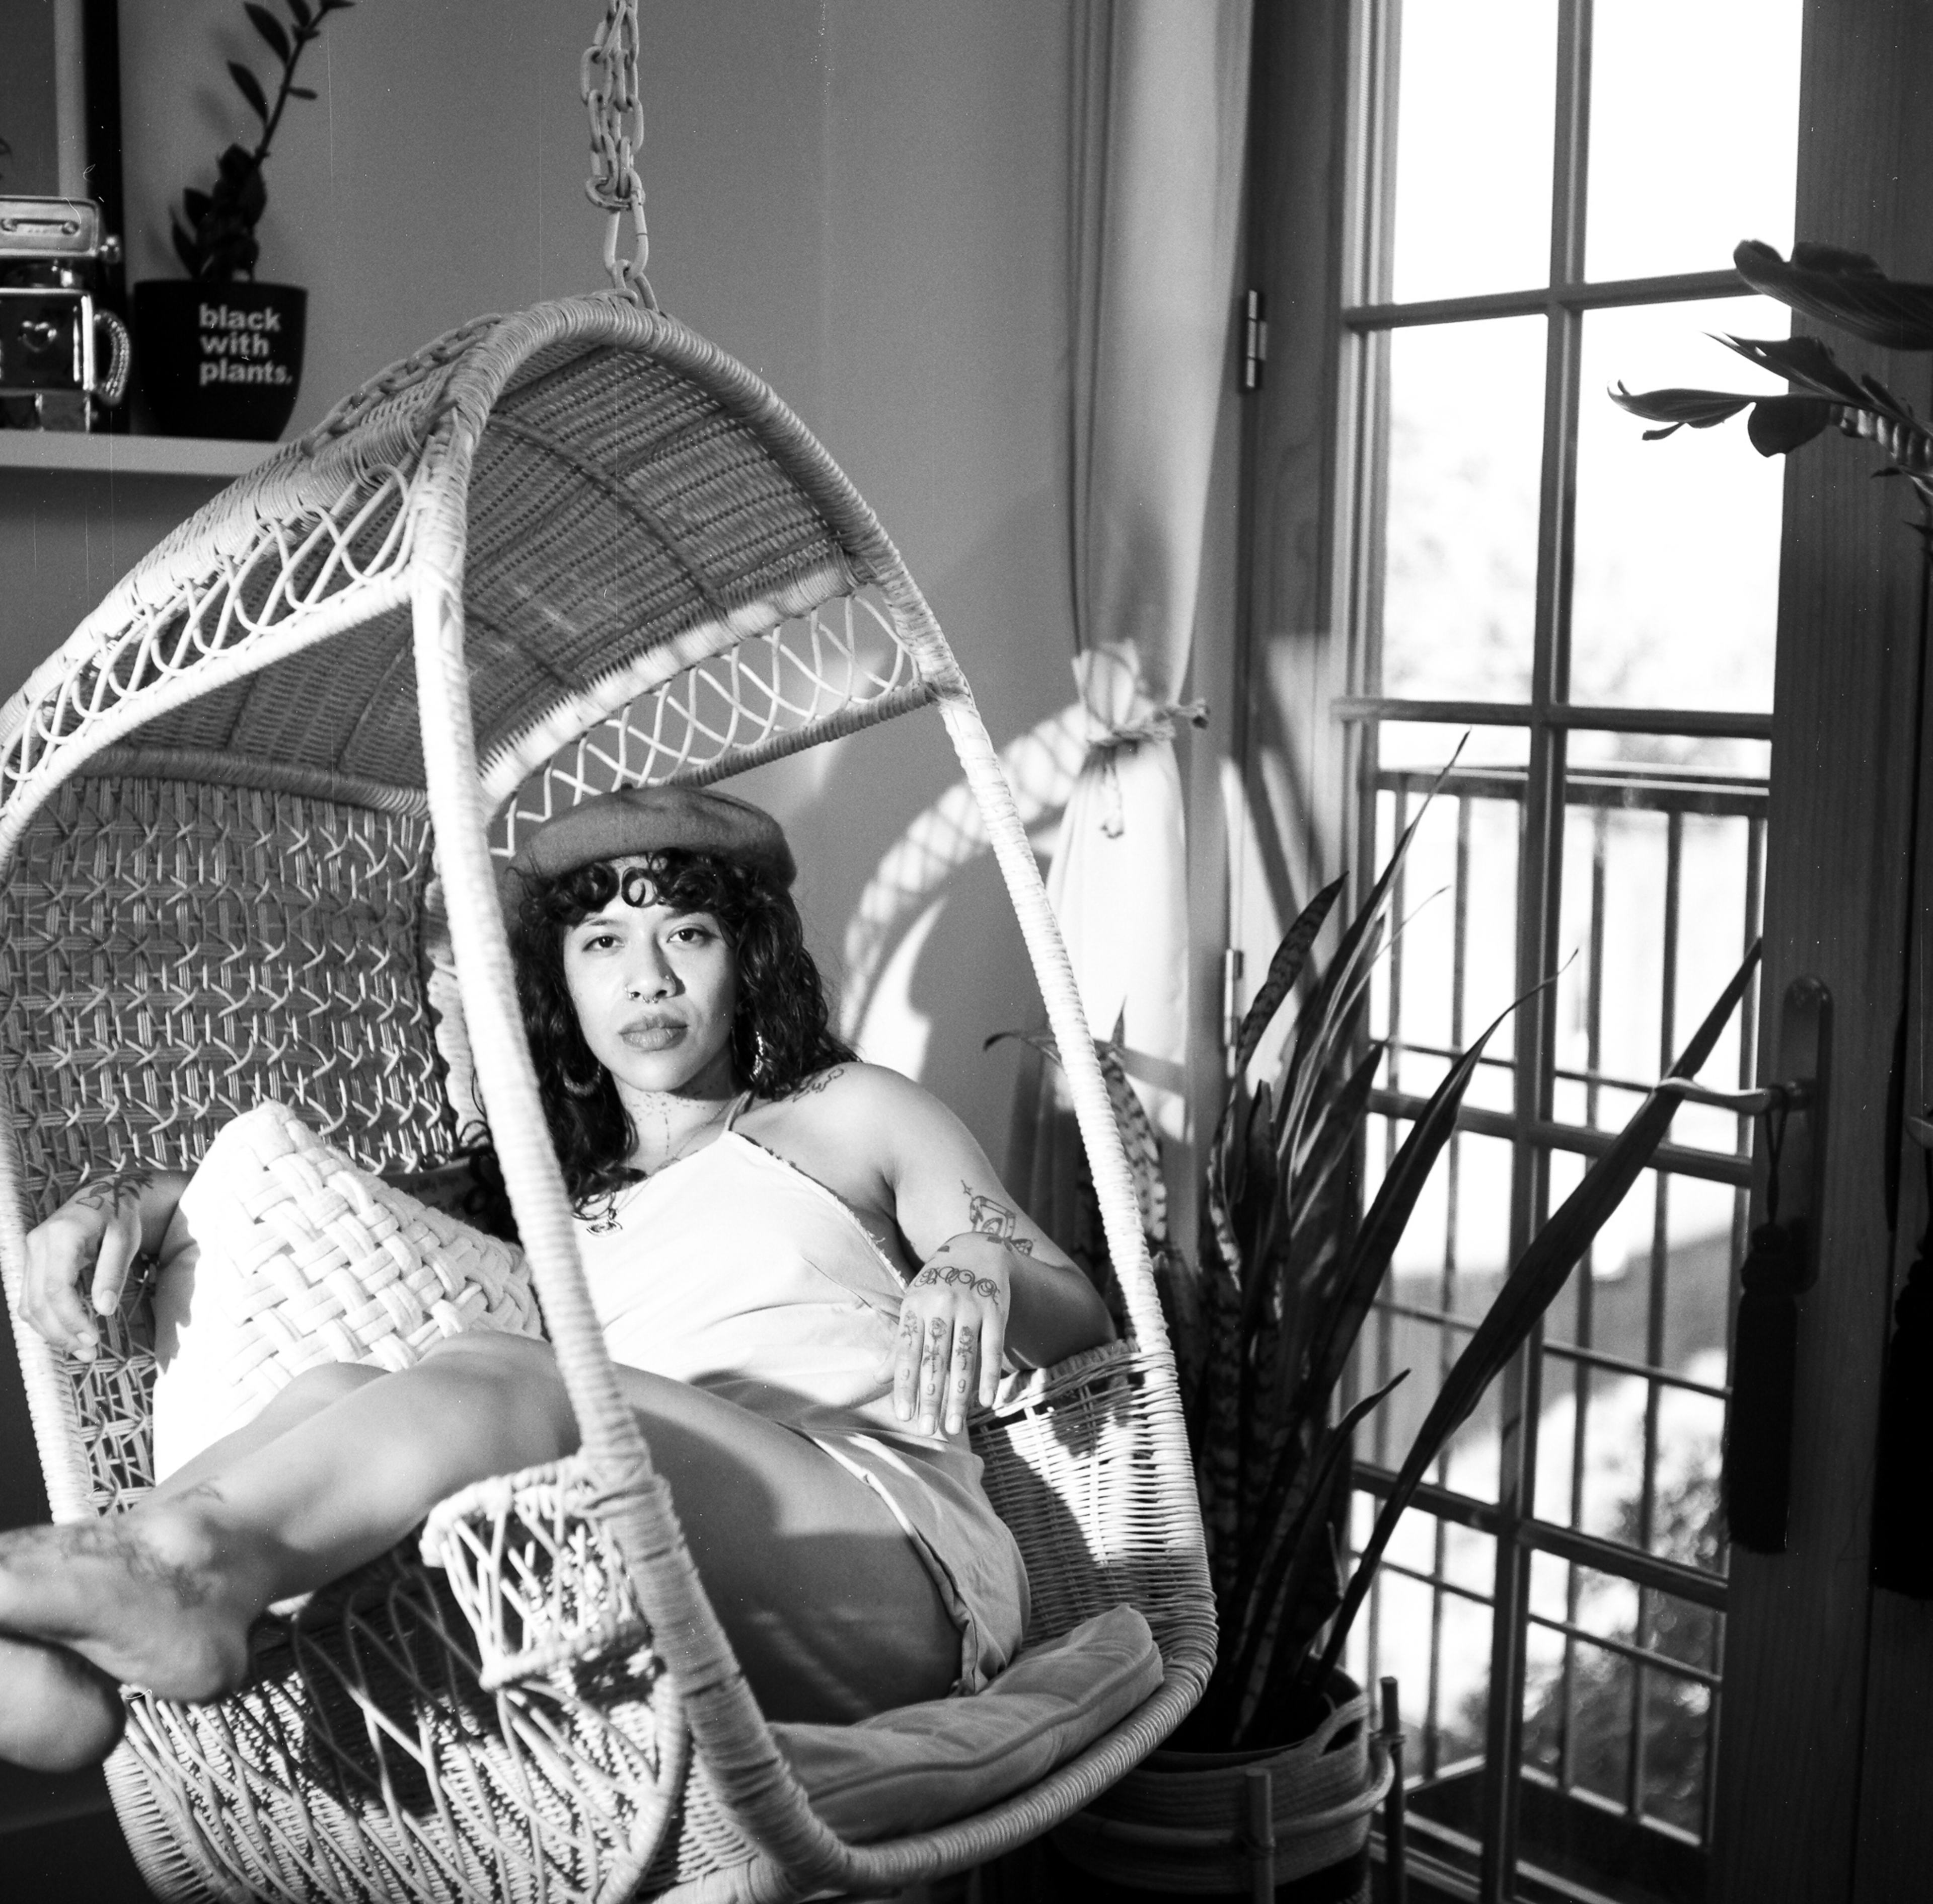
607 78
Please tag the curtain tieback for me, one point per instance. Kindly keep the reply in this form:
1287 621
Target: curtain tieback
1106 749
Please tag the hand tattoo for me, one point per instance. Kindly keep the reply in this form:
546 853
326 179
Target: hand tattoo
108 1192
935 1272
993 1218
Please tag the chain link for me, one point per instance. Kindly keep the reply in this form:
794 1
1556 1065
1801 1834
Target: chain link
607 78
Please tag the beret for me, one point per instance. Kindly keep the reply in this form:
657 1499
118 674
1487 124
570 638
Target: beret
639 819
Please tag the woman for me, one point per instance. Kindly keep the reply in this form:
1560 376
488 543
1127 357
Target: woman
804 1266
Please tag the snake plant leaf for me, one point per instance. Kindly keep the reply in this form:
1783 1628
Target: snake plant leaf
1845 288
1528 1290
1389 1215
1295 1556
1285 968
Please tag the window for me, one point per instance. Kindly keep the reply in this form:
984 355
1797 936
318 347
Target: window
1531 212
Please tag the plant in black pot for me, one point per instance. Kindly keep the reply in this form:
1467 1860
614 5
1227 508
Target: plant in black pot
220 354
1278 1752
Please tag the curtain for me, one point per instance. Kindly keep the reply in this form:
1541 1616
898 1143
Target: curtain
1159 119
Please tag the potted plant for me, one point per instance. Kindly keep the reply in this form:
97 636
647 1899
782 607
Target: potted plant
1287 1271
221 354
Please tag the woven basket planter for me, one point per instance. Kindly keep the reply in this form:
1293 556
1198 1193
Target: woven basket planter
1192 1823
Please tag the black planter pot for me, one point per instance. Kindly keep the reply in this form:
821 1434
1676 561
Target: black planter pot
1182 1824
216 359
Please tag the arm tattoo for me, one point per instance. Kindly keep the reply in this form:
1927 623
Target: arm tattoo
993 1218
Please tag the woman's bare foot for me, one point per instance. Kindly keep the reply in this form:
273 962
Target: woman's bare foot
57 1713
161 1597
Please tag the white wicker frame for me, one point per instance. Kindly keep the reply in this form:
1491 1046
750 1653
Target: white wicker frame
493 551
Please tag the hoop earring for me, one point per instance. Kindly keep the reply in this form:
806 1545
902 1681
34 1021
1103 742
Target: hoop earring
580 1088
762 1060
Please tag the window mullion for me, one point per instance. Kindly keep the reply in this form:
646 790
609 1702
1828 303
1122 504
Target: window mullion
1539 873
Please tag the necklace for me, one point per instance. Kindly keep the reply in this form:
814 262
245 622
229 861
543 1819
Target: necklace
602 1218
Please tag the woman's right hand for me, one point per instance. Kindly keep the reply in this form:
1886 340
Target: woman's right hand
91 1243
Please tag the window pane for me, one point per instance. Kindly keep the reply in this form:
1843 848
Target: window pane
1460 561
1694 133
1473 146
1428 1622
1675 603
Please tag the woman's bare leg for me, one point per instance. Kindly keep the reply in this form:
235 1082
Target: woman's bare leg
308 1394
163 1596
831 1610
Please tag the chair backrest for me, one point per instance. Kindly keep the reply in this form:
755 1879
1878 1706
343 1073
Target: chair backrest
174 953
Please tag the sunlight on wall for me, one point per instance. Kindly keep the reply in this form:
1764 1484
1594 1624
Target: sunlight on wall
1041 766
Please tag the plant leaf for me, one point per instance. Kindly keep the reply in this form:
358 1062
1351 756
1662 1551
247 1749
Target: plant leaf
1778 424
1800 360
1528 1292
299 12
1845 288
1702 409
1285 968
250 89
270 28
302 92
1389 1215
196 204
1291 1556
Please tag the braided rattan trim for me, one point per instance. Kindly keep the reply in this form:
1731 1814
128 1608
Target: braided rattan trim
514 760
75 706
206 768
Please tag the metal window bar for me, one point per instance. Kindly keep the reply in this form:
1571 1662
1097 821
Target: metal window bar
1650 1669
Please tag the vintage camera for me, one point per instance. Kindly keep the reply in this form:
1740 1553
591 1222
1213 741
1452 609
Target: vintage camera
63 357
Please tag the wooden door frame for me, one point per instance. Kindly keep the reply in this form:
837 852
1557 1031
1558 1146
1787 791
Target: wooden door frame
1830 1686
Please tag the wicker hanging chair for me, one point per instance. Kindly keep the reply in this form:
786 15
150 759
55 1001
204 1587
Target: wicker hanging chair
248 814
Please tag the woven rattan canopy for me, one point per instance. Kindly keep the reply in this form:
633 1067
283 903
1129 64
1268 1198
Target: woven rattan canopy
551 552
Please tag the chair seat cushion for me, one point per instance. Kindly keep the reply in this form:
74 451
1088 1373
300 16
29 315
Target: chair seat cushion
920 1766
283 1255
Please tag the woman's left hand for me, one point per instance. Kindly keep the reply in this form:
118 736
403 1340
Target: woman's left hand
953 1332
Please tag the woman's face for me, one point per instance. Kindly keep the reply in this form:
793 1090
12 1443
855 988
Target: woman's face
655 991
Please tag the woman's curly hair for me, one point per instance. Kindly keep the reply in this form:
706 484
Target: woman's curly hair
781 1034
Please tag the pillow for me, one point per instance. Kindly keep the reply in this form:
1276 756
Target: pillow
920 1766
283 1255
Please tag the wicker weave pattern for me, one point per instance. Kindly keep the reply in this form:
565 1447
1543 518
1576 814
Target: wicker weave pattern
364 1762
171 954
286 582
540 1580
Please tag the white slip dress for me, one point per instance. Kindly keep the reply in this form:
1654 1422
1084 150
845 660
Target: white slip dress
734 1270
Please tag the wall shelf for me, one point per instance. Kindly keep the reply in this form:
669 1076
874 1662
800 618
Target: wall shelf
207 457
